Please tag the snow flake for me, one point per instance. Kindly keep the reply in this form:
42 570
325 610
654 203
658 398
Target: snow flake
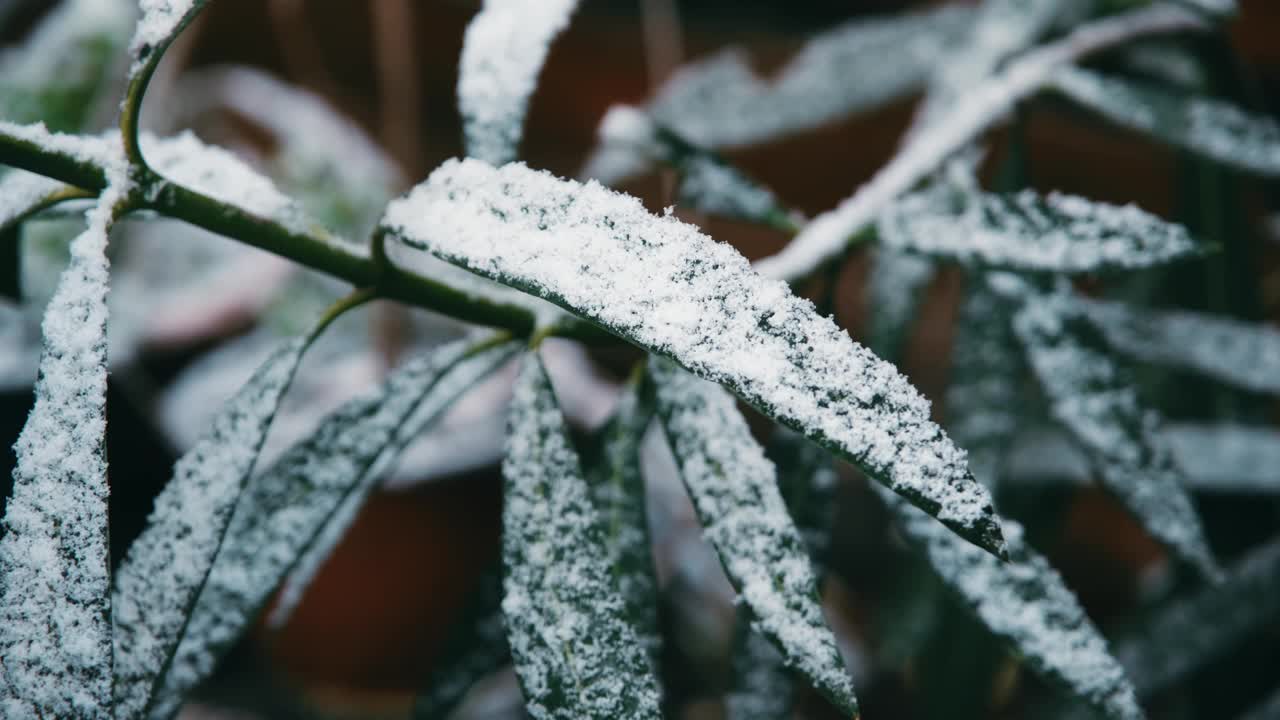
668 288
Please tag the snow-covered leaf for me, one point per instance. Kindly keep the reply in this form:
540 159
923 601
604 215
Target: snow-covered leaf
505 47
721 102
1191 632
59 71
985 403
21 195
161 23
1220 8
285 508
1216 458
55 628
895 289
1030 232
576 652
618 492
734 490
1025 603
1094 398
1213 128
1246 355
763 688
160 578
666 287
476 648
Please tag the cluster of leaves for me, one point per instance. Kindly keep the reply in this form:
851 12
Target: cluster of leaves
495 243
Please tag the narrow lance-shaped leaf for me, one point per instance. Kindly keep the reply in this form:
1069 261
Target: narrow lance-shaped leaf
763 688
895 289
1094 398
1243 354
735 492
671 290
476 648
505 47
576 653
1212 128
618 492
985 403
1214 458
1025 603
1030 232
160 578
160 24
55 628
286 507
479 362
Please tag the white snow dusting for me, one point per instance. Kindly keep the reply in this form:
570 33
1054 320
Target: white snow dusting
160 22
55 632
670 289
157 584
734 489
576 653
505 47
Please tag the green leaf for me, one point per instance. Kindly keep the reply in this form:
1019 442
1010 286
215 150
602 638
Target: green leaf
618 492
476 648
1268 709
735 493
160 578
289 504
669 289
1025 603
895 290
576 653
1212 128
1193 631
762 688
22 194
1030 232
55 629
505 47
1243 354
1094 398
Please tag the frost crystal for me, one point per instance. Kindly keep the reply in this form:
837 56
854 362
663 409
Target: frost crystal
1030 232
1025 603
161 577
505 47
282 512
55 631
1243 354
1093 397
1209 127
670 289
576 653
734 489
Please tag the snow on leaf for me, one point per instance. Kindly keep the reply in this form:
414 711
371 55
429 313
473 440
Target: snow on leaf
160 24
1093 397
1217 458
55 631
576 652
479 361
618 492
984 401
505 47
22 194
666 287
476 648
710 185
1213 128
1025 603
1246 355
1191 632
735 493
762 686
216 173
720 102
160 578
285 508
1030 232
